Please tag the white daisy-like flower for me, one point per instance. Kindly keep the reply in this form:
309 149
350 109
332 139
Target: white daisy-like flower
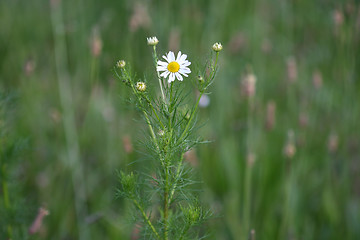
174 68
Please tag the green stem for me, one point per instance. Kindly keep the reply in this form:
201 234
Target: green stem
170 105
216 60
146 116
158 75
248 173
146 218
191 117
166 202
176 177
284 227
154 111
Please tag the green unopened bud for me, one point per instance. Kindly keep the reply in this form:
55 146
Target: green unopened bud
192 214
121 64
141 86
217 47
187 116
128 182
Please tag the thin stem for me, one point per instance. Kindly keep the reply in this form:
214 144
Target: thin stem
146 218
176 177
154 111
166 202
197 103
248 172
216 60
158 75
191 117
146 116
166 192
170 105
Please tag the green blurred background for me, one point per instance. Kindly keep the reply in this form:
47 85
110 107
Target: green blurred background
284 163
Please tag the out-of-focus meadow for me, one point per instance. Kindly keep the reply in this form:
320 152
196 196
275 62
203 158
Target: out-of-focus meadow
284 163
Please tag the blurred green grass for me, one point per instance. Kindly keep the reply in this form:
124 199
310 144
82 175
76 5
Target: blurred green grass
313 195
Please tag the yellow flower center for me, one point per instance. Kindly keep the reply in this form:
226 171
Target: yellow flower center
173 67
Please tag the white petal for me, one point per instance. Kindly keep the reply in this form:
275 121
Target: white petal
178 76
183 57
186 63
171 57
161 68
185 70
161 63
165 74
171 77
165 57
183 73
178 56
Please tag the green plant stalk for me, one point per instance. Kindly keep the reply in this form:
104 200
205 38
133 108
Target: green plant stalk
154 111
191 117
76 168
166 192
166 201
147 119
248 173
146 218
182 155
286 209
158 75
216 60
6 198
198 100
177 176
170 104
145 114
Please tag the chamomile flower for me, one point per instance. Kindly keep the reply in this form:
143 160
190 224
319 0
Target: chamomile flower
174 68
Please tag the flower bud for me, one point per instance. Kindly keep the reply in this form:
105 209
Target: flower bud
217 47
270 115
121 64
37 223
187 116
141 86
128 182
290 148
192 213
200 79
248 85
152 41
161 133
